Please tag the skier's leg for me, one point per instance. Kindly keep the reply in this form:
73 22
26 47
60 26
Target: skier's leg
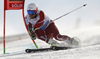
41 35
52 29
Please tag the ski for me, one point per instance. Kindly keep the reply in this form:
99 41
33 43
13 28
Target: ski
53 48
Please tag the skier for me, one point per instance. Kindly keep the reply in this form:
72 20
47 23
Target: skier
41 26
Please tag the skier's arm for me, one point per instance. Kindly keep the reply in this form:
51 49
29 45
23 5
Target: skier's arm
30 29
41 20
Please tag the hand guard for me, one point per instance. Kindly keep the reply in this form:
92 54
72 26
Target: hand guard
31 32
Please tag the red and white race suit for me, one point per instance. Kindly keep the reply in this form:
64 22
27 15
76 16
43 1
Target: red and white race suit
46 31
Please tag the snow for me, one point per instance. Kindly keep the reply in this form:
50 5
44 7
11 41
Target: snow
89 48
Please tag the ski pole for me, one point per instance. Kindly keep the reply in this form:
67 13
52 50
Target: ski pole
69 12
63 15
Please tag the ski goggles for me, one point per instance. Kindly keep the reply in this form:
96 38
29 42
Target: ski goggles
32 12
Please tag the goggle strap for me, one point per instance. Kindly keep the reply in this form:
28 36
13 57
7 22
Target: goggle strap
36 10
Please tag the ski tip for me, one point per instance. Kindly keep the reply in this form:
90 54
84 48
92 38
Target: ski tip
28 51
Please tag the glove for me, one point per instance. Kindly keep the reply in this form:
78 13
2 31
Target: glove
31 32
33 37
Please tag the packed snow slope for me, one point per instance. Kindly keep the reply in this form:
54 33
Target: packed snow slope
89 48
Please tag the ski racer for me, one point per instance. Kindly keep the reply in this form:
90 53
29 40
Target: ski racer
41 26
